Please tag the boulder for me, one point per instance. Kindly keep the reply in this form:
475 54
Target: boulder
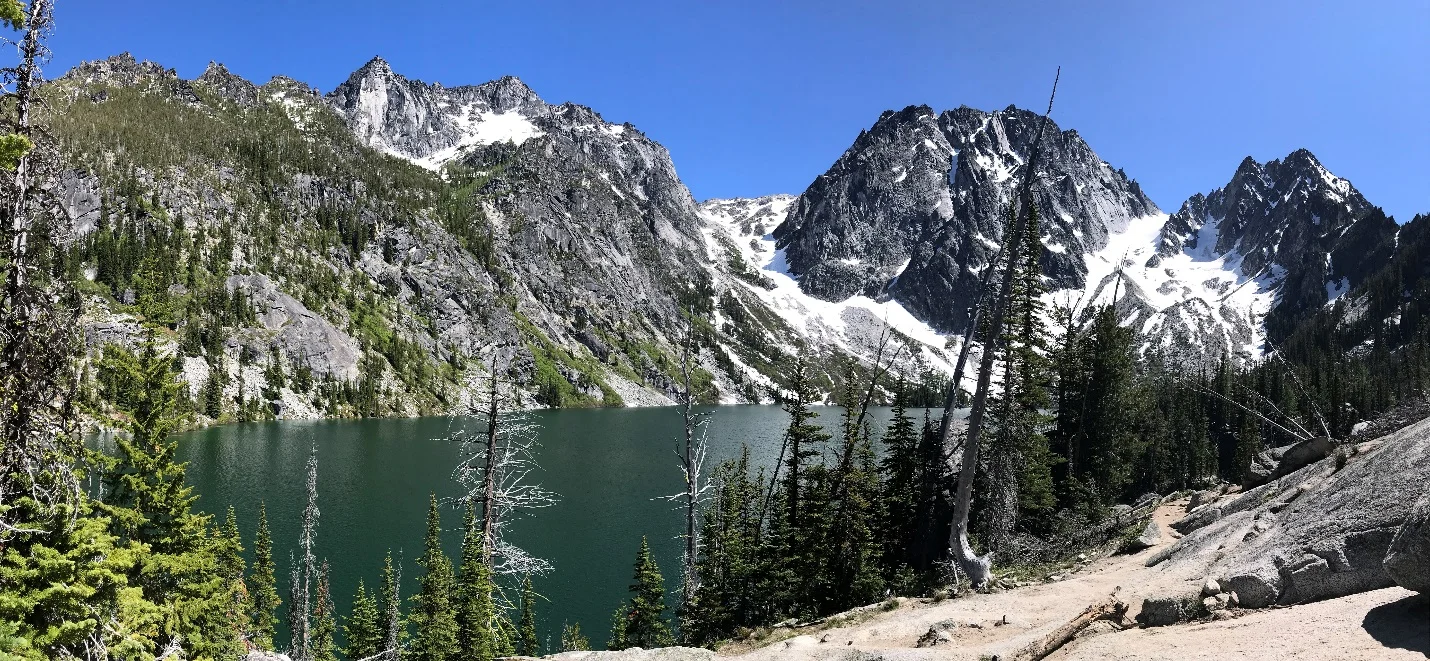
1303 454
1164 610
1333 536
1408 562
638 654
1151 536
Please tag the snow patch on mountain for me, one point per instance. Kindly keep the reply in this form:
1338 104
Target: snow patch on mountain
479 127
1195 302
853 325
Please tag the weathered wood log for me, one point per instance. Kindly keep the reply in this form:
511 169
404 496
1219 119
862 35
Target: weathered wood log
1111 608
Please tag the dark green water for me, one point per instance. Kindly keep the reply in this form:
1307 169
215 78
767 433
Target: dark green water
609 466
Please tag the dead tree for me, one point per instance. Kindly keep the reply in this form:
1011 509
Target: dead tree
977 568
496 471
304 571
692 465
38 342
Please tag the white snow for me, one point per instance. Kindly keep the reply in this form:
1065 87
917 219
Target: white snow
482 127
852 324
1335 288
1194 288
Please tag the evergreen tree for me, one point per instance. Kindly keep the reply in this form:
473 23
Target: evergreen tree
433 615
324 620
572 640
899 469
264 592
148 503
394 628
641 621
363 628
527 644
477 628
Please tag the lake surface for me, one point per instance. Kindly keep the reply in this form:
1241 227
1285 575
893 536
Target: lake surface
610 467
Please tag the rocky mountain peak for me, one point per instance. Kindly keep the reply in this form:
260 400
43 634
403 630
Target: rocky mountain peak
124 71
428 123
221 81
915 208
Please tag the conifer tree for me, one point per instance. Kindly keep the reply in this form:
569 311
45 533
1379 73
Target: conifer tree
363 630
148 503
641 621
264 591
526 643
394 628
433 615
476 611
324 619
572 640
899 470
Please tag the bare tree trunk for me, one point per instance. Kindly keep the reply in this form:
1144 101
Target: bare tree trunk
690 464
489 482
1111 608
31 51
302 608
979 569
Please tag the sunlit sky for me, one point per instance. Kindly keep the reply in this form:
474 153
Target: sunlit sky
758 97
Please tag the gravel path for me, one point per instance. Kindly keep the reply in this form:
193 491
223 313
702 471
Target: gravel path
1385 624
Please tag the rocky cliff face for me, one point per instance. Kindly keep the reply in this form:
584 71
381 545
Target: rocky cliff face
915 210
395 239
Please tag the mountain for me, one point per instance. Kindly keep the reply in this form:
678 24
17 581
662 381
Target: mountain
914 210
379 249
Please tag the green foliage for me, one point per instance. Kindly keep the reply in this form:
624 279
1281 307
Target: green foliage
526 642
433 614
13 146
263 594
480 633
363 628
641 621
63 584
324 620
572 640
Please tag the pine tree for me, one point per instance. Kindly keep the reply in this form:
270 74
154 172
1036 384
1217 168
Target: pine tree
433 615
641 621
148 502
476 612
324 619
572 640
264 591
394 628
363 629
527 644
899 470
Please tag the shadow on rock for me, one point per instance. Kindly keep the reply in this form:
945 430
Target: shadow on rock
1403 624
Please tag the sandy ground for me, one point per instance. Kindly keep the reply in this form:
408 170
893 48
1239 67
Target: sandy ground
1385 624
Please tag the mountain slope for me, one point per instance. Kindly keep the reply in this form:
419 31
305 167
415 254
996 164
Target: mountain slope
374 250
914 211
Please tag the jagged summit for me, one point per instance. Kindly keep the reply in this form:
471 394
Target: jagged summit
235 88
914 209
429 123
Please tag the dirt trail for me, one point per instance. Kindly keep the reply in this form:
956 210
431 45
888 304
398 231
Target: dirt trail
1335 629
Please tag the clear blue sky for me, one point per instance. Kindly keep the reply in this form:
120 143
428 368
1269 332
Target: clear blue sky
756 97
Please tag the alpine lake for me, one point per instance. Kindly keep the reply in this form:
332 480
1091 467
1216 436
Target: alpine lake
611 468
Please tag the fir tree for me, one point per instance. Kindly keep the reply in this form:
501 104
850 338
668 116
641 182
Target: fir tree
476 612
527 644
324 620
363 629
572 640
394 628
264 581
641 622
433 615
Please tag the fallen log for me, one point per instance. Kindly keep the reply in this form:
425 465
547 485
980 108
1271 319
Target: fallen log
1111 608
